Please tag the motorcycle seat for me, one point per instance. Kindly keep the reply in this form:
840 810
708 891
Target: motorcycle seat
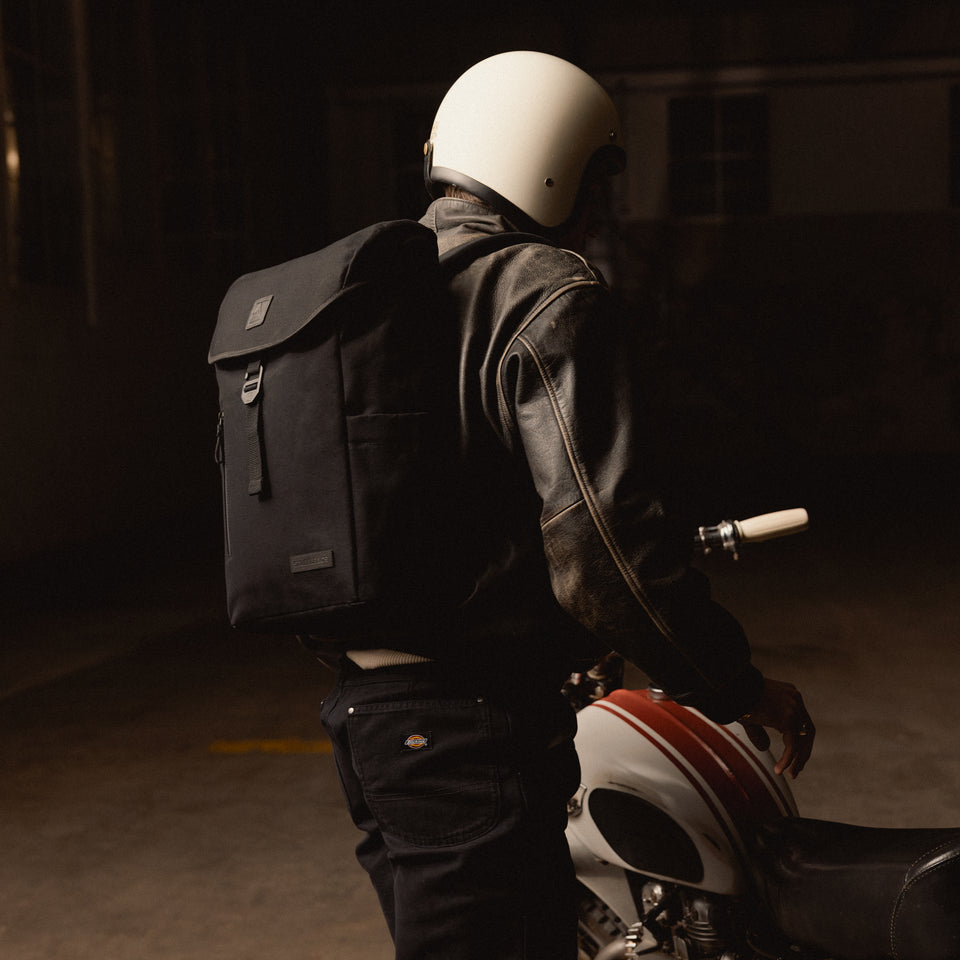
860 893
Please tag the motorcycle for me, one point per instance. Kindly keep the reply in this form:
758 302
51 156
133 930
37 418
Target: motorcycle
688 846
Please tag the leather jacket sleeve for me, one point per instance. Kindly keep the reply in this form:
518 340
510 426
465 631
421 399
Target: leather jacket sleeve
567 396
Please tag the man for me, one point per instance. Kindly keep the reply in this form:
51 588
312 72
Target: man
455 752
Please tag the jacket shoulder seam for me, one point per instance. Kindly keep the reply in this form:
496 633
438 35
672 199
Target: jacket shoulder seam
518 337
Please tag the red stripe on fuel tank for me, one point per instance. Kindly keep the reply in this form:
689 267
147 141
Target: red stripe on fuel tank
760 784
774 783
729 774
732 838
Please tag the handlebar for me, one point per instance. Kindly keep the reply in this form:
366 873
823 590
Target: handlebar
729 534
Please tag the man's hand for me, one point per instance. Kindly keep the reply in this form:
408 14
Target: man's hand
781 707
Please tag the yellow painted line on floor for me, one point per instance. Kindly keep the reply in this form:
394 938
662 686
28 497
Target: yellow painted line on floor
288 745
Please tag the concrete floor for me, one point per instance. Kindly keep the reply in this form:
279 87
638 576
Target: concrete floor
164 795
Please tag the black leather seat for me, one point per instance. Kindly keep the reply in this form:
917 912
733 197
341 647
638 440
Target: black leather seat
861 893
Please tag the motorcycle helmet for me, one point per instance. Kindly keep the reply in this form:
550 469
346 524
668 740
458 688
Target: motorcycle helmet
520 131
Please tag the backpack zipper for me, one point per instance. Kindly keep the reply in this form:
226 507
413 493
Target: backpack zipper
219 457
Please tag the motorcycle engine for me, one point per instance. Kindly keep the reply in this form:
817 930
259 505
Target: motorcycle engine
675 926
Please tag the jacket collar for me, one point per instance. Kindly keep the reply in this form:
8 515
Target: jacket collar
456 221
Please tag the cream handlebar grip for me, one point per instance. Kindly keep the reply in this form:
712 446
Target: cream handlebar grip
770 525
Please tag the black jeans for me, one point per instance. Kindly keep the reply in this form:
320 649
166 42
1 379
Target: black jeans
460 787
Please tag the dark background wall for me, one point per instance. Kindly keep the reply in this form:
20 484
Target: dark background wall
155 150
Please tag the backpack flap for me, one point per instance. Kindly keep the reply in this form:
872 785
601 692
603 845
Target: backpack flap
264 309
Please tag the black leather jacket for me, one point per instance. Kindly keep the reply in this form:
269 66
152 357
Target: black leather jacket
573 544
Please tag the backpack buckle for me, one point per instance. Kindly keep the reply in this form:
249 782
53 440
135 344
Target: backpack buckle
251 383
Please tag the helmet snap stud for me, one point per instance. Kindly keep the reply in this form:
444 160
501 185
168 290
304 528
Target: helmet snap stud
548 182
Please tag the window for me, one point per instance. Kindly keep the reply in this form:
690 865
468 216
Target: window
718 156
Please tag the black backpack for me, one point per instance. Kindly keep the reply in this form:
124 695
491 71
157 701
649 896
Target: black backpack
338 439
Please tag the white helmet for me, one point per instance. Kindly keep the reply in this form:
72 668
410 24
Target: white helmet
523 127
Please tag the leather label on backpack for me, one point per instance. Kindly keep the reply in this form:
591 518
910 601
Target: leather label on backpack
318 560
258 312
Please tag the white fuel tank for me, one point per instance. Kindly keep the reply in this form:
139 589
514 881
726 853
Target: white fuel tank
665 793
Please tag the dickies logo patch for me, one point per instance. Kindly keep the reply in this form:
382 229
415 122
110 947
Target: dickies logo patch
417 741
